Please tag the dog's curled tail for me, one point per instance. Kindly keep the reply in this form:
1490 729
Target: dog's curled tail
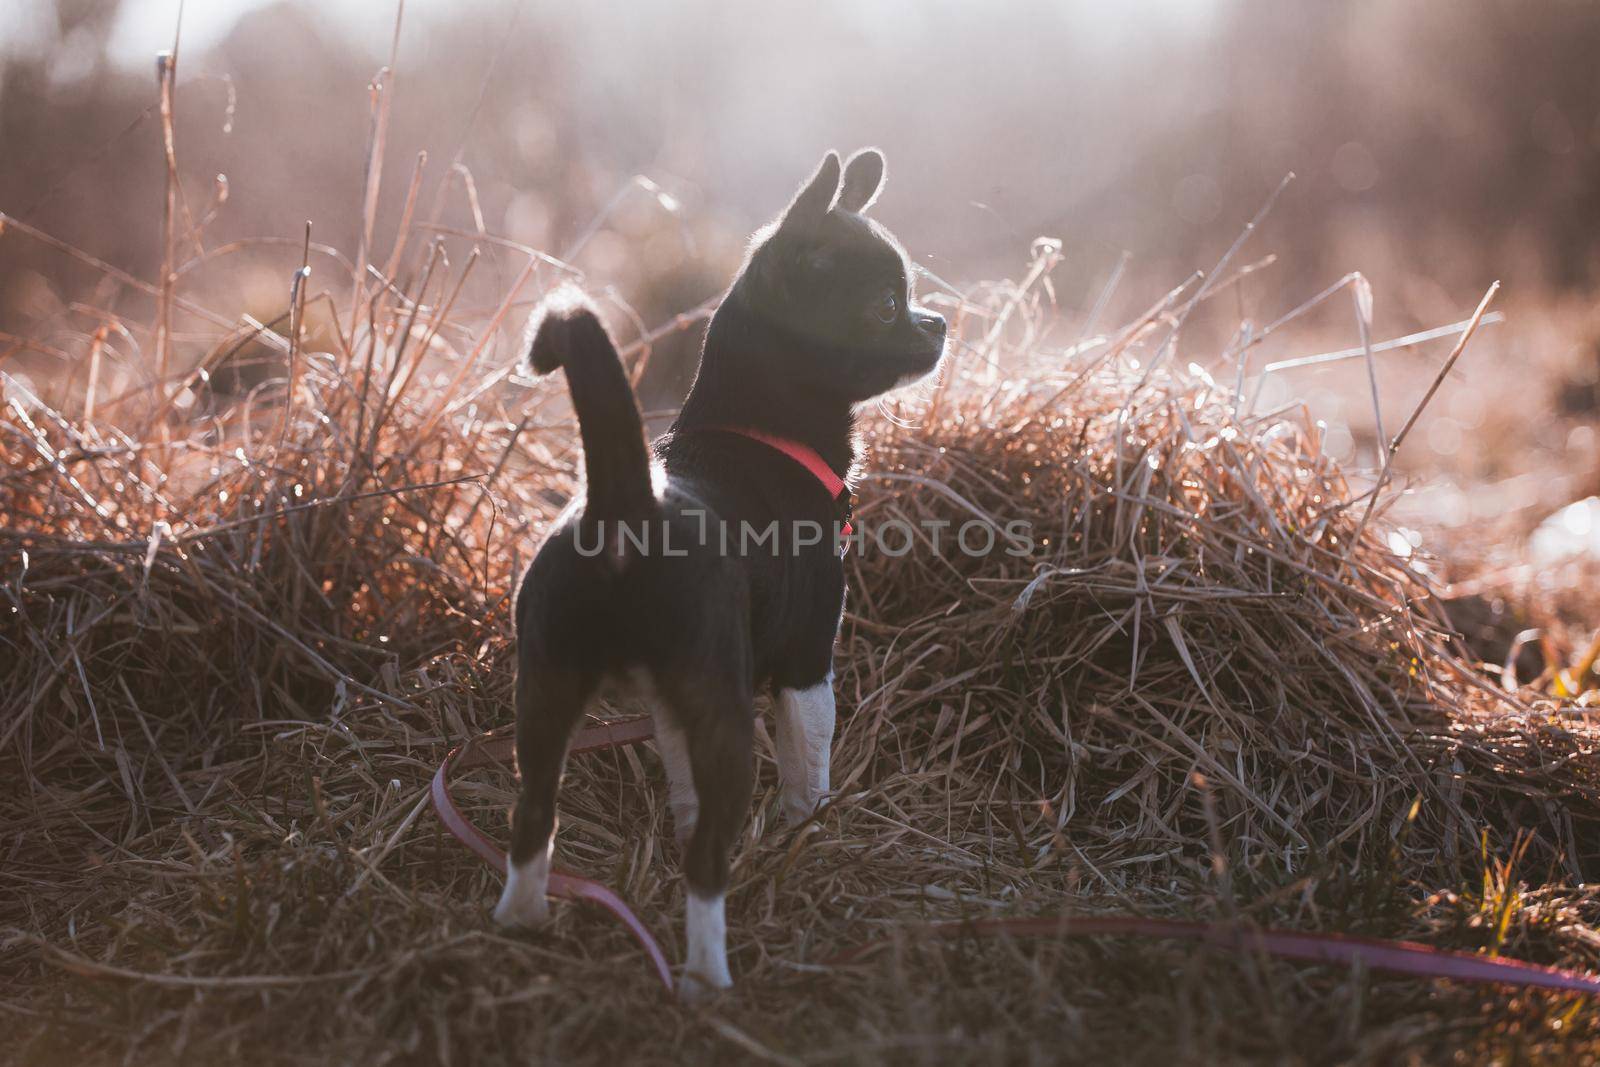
565 331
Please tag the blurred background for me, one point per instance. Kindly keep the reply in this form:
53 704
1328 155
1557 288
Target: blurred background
1438 144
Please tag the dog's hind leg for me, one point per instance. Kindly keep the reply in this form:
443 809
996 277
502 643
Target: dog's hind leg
719 730
549 704
805 737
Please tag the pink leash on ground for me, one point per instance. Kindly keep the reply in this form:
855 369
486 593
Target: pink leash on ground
1397 957
563 884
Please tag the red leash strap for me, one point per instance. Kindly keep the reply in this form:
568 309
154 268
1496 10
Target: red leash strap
1397 957
563 884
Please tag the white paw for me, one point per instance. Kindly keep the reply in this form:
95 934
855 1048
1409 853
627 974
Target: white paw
523 902
705 967
521 909
798 808
697 988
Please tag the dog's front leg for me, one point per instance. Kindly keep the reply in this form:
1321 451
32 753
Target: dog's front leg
681 796
805 737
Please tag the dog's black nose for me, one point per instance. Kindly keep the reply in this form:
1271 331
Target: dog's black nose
930 323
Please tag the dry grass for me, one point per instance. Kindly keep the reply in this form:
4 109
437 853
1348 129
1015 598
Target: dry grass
238 632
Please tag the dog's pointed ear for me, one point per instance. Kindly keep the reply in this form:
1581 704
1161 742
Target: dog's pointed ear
815 196
863 179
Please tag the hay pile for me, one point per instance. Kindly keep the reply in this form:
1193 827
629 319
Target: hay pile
233 649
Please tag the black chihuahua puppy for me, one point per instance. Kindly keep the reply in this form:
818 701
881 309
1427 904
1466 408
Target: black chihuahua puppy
717 580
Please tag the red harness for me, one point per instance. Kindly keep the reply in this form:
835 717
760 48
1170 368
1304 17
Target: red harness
818 467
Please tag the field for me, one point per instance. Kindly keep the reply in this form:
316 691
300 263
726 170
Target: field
254 585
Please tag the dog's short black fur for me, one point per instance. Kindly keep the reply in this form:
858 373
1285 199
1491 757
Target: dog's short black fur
819 320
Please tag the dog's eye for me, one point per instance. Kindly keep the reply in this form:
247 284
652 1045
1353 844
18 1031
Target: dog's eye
887 308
